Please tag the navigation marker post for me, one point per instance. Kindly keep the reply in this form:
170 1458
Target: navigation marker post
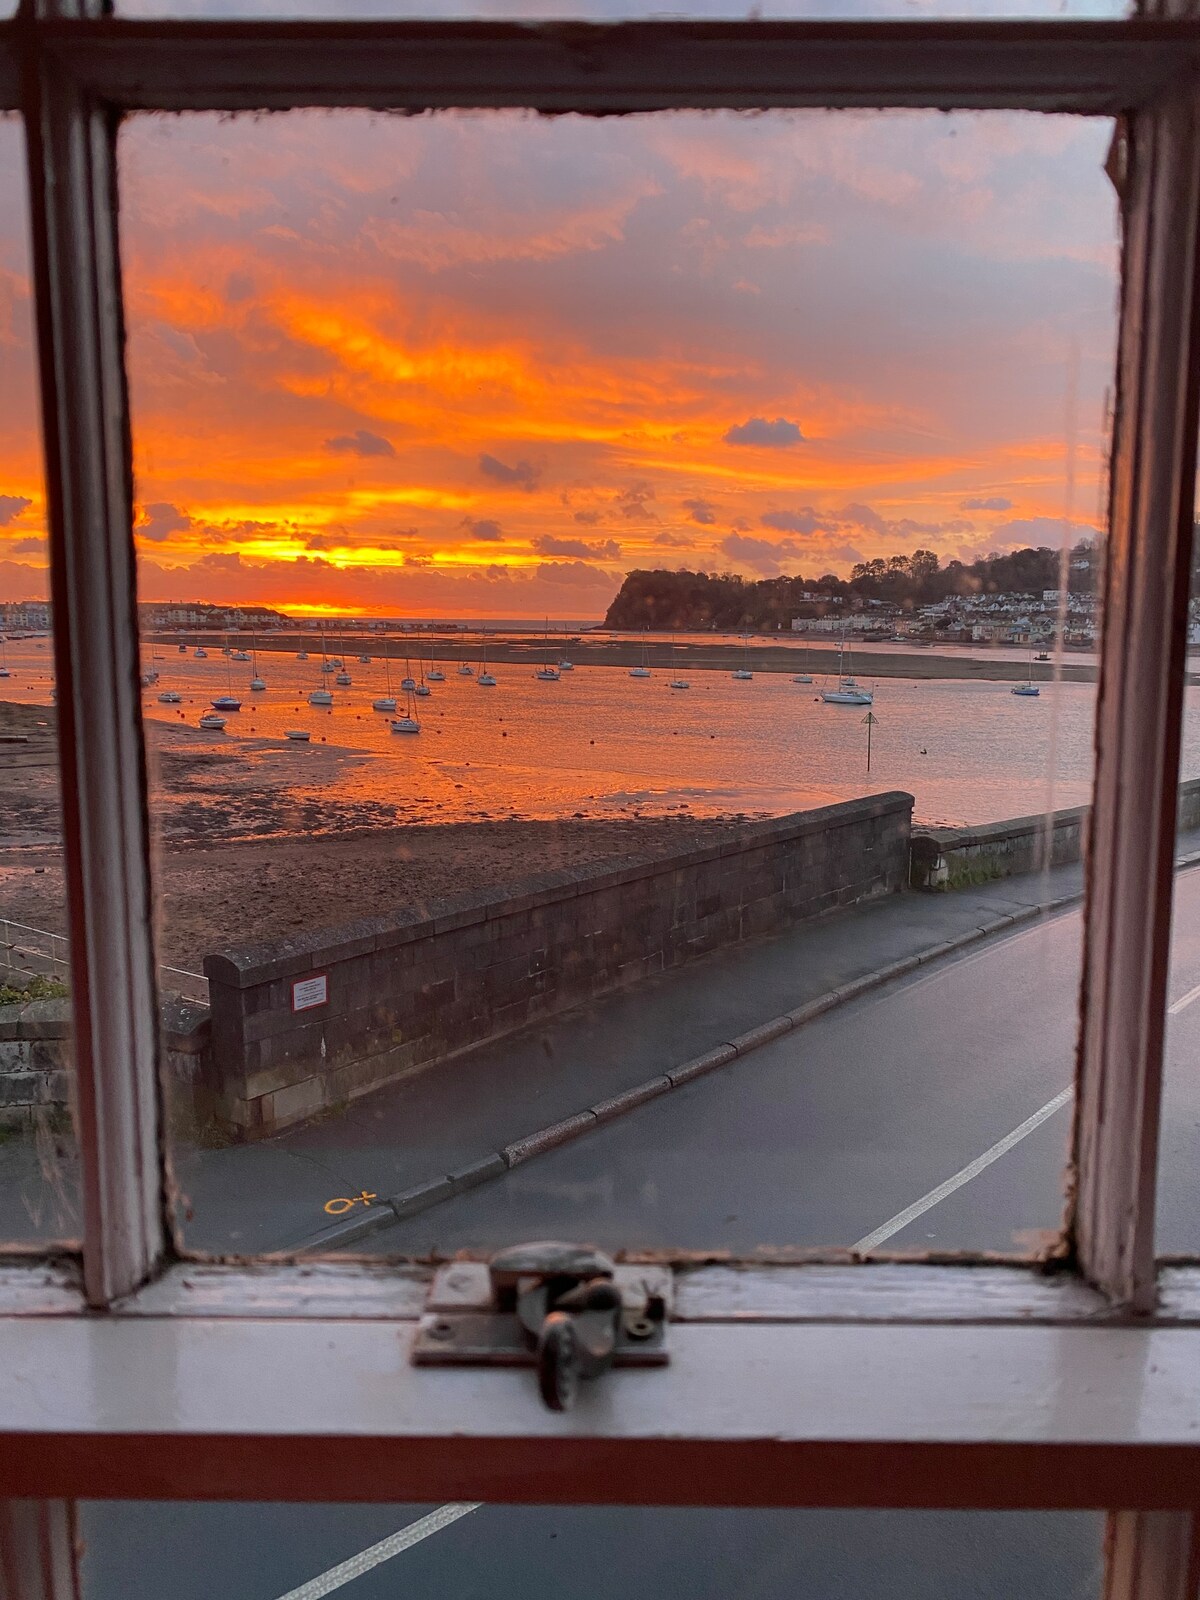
870 719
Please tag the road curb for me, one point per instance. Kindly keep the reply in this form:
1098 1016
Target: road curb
423 1196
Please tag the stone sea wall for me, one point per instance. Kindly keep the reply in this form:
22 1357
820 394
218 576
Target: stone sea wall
312 1022
954 858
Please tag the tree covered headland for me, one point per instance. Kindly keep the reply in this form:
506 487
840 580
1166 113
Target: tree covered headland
685 600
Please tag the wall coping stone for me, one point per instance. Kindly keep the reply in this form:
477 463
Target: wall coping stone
986 833
996 832
250 965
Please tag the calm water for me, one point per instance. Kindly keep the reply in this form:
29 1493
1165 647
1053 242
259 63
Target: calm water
600 742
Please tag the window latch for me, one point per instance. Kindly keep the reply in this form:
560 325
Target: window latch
566 1309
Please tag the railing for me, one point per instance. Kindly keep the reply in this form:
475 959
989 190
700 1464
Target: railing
39 953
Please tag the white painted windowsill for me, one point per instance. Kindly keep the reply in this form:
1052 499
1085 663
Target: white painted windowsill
295 1383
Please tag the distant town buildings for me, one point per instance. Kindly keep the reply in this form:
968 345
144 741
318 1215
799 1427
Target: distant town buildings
1011 619
197 615
25 616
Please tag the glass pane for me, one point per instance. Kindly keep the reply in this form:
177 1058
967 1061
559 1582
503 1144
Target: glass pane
1178 1229
459 1552
623 10
756 460
39 1197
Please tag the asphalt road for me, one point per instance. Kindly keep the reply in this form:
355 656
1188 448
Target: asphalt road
217 1552
827 1137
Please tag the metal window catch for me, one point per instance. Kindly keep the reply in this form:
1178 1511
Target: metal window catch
566 1309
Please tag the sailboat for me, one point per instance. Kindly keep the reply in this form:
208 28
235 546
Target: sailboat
4 672
408 683
806 675
546 673
385 702
409 722
435 673
421 689
200 653
211 721
848 692
301 655
1029 690
485 680
676 681
343 679
322 696
256 683
642 671
227 702
743 672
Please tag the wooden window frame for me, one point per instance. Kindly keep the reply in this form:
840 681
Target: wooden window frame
129 1372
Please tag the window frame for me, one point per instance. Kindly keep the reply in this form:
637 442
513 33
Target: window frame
77 1413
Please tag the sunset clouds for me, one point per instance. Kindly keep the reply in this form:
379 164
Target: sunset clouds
483 364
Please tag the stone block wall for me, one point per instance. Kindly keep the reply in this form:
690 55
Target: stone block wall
36 1060
397 993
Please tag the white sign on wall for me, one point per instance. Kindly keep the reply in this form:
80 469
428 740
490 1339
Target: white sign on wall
310 992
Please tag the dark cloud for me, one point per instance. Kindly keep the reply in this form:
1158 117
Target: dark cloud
674 540
864 517
633 503
995 502
11 507
761 555
759 431
589 518
161 520
1050 531
360 443
524 474
485 528
766 556
701 511
575 574
546 544
418 561
316 541
806 520
28 547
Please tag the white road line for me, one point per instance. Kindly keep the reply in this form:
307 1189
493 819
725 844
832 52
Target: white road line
374 1554
872 1241
1184 1001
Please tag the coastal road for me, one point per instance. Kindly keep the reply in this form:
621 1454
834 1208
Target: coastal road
931 1114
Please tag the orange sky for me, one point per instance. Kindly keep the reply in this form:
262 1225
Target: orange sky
483 365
